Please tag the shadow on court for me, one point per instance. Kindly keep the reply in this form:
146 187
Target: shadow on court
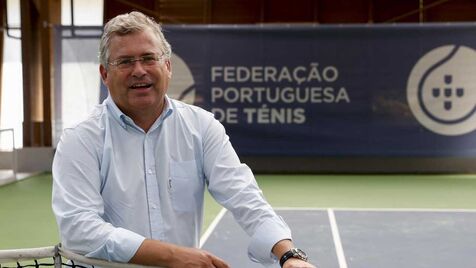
363 238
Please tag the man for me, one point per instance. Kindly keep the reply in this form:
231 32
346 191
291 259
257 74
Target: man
129 180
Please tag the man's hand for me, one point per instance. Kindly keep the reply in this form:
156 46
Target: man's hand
297 263
157 253
195 258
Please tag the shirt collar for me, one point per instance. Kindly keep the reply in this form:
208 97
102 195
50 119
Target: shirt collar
125 120
168 109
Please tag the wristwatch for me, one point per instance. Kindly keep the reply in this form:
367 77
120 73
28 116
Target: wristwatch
293 253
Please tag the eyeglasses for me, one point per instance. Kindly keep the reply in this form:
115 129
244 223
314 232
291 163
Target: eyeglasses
129 62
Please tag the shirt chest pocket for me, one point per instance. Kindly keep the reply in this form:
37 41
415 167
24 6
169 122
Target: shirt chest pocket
185 185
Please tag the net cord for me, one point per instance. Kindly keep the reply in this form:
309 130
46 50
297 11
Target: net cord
57 252
15 255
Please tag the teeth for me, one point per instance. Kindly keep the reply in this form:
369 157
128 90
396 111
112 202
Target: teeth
140 85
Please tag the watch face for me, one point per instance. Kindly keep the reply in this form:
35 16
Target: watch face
299 254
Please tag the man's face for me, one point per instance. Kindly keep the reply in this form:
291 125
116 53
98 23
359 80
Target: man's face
141 87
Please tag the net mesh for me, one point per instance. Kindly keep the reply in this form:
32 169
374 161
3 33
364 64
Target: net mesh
54 256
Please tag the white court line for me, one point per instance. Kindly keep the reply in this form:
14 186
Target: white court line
380 209
336 238
212 227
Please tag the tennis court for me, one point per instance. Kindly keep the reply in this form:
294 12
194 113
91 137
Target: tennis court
380 220
362 238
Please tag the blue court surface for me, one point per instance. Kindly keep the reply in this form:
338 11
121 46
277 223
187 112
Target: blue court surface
362 238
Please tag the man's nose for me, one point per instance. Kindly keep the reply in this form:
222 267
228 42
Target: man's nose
138 69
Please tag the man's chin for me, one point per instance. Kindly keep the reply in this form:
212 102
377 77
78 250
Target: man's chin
144 102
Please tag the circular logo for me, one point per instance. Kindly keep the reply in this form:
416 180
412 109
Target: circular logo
441 90
181 86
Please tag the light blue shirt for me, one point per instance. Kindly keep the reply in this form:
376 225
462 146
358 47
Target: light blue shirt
115 185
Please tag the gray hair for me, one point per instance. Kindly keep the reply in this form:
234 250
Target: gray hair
126 24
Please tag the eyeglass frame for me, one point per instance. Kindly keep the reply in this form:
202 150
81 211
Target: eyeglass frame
132 60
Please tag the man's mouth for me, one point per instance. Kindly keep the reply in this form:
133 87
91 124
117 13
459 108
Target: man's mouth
140 86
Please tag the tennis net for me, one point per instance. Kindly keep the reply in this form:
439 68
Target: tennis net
53 256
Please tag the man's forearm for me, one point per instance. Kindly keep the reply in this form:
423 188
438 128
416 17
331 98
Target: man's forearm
281 247
157 253
153 253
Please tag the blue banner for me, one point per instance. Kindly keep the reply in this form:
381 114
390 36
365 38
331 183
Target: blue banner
358 90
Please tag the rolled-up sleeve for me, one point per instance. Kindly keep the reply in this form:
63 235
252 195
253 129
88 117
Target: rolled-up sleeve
120 246
78 205
265 237
233 185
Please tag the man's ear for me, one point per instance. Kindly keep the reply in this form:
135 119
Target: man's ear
168 65
103 72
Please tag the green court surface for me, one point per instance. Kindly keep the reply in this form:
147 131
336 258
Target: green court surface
26 219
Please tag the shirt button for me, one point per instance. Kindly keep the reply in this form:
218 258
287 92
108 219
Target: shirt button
149 171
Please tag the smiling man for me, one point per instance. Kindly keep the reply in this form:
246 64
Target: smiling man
138 90
129 181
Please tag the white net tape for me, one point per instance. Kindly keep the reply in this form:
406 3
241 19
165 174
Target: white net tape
60 257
